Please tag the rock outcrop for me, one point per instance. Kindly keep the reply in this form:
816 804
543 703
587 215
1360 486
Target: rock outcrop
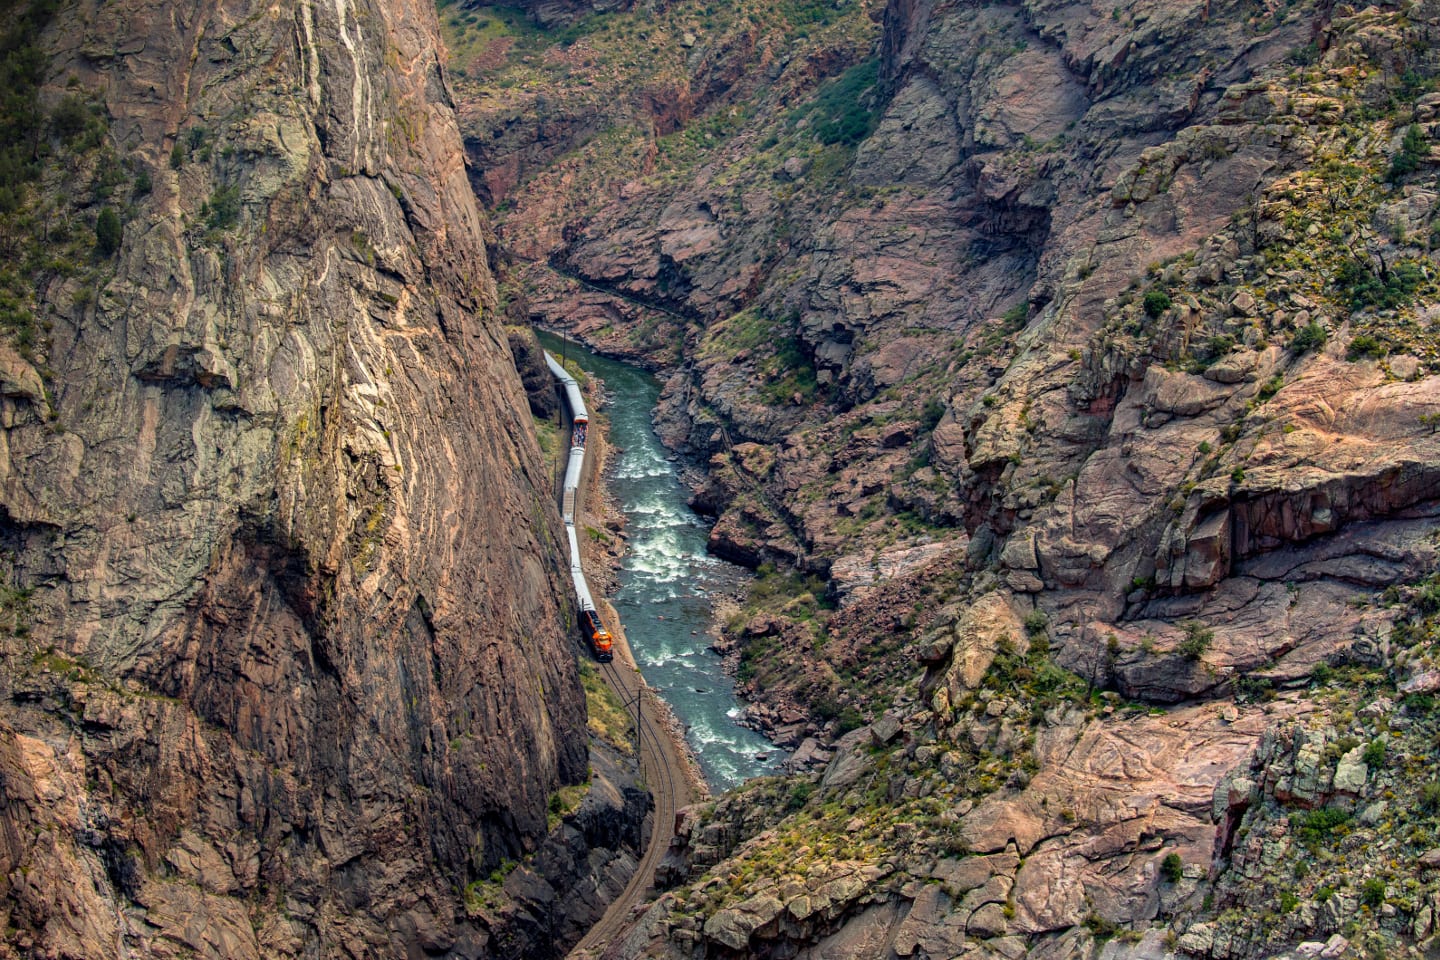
286 666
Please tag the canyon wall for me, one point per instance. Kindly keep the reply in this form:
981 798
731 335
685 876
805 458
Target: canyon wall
287 661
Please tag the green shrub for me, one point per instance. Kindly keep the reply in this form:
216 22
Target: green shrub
849 719
1316 826
1358 283
1172 868
1156 303
1340 746
1374 755
1197 640
1372 892
223 209
1101 928
1427 598
108 232
1036 621
1413 148
1364 345
1254 688
1306 55
1312 336
69 118
931 415
1419 702
1220 345
1430 797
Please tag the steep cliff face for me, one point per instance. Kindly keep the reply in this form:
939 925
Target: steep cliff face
286 666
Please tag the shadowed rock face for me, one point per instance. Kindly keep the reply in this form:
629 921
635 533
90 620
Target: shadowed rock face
290 667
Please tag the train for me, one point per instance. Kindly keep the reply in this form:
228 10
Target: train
601 643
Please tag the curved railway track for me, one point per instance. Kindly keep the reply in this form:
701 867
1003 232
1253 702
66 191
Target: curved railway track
662 763
659 763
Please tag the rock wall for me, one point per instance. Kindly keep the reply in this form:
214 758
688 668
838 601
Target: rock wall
287 663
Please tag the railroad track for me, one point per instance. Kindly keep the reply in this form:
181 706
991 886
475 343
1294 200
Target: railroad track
661 758
660 764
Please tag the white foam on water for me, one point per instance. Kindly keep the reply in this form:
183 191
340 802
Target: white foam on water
708 736
643 470
666 579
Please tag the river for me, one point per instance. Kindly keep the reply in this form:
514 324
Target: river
667 580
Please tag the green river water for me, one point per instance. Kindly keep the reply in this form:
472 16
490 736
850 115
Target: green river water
667 580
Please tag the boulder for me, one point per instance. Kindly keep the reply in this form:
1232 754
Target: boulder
986 922
1351 772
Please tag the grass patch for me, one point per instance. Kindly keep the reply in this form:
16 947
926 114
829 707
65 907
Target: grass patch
564 802
841 112
606 715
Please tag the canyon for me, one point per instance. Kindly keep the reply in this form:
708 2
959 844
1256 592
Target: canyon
1067 375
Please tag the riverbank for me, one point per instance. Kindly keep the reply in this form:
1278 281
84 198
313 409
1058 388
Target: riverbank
666 583
603 556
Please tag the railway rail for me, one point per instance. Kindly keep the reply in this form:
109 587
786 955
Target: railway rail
661 760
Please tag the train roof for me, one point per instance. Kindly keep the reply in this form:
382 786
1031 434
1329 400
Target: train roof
572 388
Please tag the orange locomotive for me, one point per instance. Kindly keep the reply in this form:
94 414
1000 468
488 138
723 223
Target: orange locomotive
600 638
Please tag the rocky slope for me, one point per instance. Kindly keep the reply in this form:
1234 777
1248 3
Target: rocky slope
286 661
1070 375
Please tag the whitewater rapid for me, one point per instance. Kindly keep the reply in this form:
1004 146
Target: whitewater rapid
667 582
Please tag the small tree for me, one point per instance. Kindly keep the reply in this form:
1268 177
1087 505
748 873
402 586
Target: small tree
1156 303
108 232
1412 149
1197 640
69 119
1312 336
